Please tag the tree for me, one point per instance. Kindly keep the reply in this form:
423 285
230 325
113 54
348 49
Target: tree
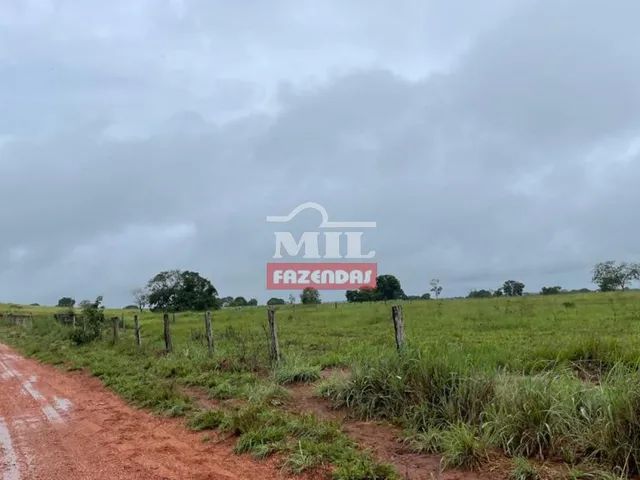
292 299
610 276
364 294
226 301
276 301
140 297
239 302
310 296
499 292
252 303
480 294
426 296
513 288
436 288
388 288
66 302
551 290
177 291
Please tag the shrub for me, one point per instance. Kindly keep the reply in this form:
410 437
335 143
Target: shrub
93 320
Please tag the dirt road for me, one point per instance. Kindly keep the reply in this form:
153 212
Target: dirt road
67 426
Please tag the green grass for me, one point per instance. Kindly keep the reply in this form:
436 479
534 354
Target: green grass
523 470
463 446
296 370
207 420
543 377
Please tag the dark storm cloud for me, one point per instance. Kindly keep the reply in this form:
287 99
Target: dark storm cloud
488 143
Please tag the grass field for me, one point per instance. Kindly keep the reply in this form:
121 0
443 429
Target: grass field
553 378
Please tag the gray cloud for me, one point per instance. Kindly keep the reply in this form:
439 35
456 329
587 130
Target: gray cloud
488 143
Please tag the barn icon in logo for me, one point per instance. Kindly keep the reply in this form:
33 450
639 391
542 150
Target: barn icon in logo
329 258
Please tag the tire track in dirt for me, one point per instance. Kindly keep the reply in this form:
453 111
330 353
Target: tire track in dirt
10 469
94 435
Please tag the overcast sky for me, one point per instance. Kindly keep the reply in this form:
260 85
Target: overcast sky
489 140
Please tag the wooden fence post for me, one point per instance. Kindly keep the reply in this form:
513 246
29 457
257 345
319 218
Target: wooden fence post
136 326
273 335
398 325
168 344
208 332
115 321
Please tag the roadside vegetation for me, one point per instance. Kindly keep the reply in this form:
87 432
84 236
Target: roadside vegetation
549 378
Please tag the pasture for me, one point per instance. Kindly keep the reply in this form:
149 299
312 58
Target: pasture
539 379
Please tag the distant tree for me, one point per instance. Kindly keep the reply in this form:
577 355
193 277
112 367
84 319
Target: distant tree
581 290
131 307
610 276
480 294
66 302
239 302
177 291
498 292
35 305
436 288
310 296
364 294
292 299
513 288
226 301
276 301
252 303
551 290
426 296
140 298
388 288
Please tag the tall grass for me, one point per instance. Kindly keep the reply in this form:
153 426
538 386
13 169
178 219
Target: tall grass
423 390
458 411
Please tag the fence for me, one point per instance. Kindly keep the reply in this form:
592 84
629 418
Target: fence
117 324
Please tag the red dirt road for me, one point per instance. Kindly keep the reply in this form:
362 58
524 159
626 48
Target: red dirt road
60 426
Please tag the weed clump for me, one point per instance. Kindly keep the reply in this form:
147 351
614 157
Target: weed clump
464 447
523 470
207 420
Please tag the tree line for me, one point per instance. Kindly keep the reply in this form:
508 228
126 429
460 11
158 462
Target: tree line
183 290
